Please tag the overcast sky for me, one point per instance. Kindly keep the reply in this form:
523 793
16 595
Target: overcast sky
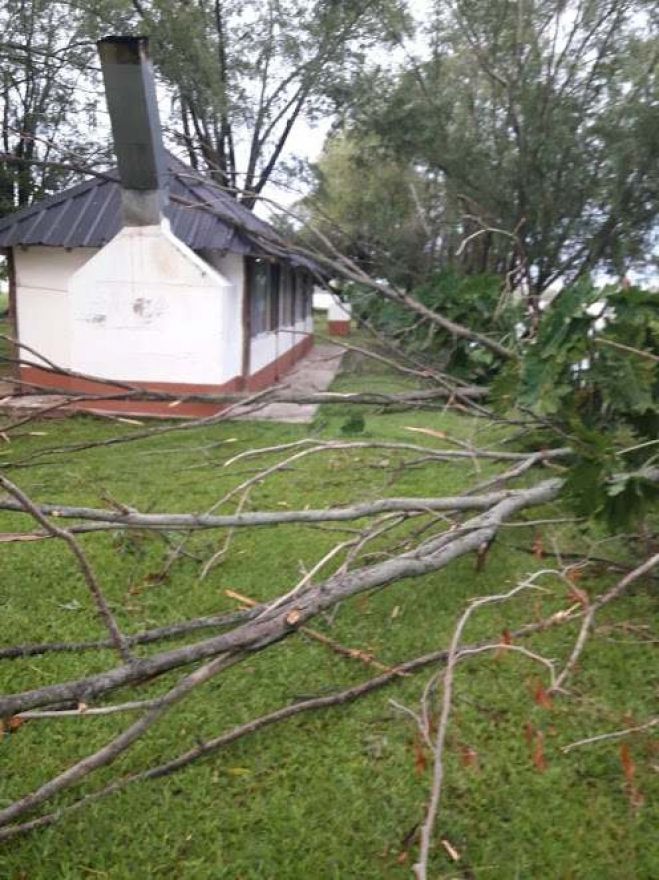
306 140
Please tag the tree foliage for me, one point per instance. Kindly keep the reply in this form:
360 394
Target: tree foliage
592 377
241 74
539 120
372 207
472 300
48 102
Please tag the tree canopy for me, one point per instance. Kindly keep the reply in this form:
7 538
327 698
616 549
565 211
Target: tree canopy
538 125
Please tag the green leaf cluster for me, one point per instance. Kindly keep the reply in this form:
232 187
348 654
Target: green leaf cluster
592 376
475 301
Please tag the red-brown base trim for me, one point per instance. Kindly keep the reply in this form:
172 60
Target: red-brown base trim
338 328
40 378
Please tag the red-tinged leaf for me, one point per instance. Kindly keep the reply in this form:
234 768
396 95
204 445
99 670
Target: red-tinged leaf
541 697
402 857
505 641
577 594
468 756
634 795
14 723
628 765
538 546
420 759
529 733
539 760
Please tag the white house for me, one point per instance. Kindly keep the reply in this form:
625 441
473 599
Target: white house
152 275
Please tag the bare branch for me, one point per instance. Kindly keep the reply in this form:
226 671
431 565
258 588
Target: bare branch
616 734
91 580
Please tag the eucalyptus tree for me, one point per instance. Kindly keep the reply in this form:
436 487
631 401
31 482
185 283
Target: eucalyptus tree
540 119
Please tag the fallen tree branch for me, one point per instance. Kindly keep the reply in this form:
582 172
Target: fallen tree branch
170 631
616 734
259 633
454 655
102 607
593 608
200 750
173 521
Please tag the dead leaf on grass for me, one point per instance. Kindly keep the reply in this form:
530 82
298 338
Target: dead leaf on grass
454 854
539 759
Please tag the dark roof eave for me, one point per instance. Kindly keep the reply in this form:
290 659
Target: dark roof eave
220 221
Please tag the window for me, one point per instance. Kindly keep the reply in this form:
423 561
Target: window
280 296
264 280
287 296
302 295
308 298
273 292
258 279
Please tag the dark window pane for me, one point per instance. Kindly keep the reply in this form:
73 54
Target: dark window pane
274 297
258 289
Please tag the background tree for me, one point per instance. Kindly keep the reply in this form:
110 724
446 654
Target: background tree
242 74
48 100
540 122
375 208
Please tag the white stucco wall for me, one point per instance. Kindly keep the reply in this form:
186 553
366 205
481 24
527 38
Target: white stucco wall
42 299
143 308
147 308
231 267
321 299
268 346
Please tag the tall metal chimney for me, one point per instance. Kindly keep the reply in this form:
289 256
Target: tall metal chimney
131 98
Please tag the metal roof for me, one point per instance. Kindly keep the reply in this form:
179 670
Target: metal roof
201 214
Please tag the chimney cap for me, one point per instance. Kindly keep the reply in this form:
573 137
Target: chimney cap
123 49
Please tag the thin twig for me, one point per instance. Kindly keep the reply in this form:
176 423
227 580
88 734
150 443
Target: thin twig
104 612
616 734
589 616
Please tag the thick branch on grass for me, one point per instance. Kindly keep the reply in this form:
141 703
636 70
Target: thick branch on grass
171 521
201 750
110 752
276 394
286 619
161 633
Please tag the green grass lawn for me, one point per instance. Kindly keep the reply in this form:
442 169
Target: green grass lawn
333 794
